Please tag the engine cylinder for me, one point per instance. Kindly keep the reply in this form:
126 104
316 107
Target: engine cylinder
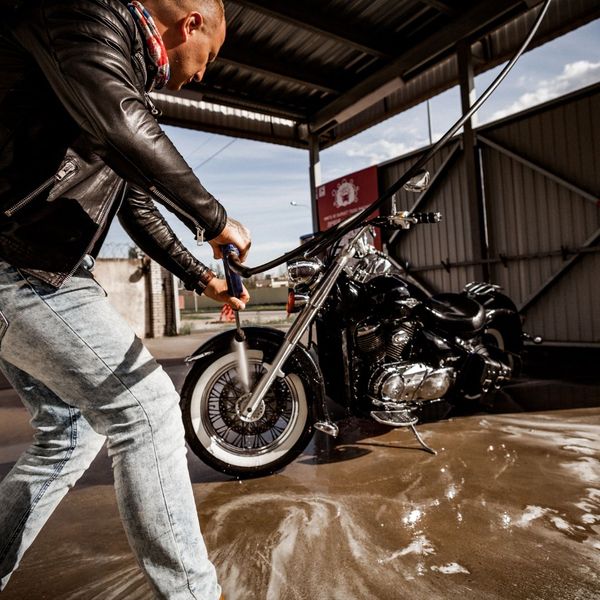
399 339
369 338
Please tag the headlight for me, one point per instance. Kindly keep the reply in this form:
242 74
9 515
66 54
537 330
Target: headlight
303 271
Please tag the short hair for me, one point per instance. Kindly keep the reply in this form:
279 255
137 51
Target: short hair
214 8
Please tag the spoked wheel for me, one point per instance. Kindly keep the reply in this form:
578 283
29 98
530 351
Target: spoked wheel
226 439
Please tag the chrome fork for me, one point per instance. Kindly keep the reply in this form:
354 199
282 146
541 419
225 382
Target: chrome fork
298 329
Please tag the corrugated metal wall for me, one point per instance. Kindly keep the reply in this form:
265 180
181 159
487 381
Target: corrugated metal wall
432 244
541 180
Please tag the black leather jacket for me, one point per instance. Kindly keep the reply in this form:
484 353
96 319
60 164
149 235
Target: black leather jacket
79 142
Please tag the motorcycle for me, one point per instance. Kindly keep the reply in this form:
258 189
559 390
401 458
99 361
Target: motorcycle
377 344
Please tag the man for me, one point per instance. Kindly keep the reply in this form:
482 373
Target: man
79 143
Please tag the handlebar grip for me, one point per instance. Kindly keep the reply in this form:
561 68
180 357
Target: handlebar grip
428 217
234 281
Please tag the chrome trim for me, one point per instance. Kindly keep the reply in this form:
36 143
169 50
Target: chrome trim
327 427
303 271
418 183
194 357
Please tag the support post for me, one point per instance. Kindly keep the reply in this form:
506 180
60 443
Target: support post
315 178
475 200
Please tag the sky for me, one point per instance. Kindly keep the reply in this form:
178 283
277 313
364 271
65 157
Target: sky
258 182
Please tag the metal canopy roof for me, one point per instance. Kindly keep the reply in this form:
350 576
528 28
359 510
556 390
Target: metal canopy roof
332 68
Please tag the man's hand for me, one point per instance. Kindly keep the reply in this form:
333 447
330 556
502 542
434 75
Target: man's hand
217 290
234 233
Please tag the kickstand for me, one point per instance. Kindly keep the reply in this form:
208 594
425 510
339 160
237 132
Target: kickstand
421 441
401 418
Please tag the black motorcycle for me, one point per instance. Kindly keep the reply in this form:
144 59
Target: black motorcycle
366 336
373 341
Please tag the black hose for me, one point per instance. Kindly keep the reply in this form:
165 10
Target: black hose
325 238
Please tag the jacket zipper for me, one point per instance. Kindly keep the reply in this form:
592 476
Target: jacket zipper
100 219
153 110
199 229
66 170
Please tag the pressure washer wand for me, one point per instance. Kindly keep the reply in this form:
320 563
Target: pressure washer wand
235 288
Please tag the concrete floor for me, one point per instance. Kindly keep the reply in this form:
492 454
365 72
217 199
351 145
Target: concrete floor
508 509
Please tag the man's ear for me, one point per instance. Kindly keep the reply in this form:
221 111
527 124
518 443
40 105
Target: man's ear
193 22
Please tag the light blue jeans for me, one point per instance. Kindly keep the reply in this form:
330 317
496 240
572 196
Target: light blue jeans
86 378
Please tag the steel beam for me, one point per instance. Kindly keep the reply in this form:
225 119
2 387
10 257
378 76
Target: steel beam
564 269
203 92
504 259
387 80
443 7
535 167
315 178
297 14
235 53
233 131
475 207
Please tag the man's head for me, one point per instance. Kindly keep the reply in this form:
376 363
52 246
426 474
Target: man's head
193 32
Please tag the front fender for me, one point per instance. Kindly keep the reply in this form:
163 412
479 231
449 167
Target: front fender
269 340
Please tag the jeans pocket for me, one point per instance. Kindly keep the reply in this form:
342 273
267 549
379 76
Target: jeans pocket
3 326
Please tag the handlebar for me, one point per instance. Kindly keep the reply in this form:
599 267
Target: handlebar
405 219
402 220
427 217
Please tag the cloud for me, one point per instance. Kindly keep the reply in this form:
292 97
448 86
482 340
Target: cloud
379 150
382 143
574 76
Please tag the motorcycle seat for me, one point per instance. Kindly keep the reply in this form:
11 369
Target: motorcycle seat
454 313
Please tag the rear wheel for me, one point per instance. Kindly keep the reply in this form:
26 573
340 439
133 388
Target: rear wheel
225 439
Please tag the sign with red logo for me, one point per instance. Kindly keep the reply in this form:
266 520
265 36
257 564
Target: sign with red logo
339 199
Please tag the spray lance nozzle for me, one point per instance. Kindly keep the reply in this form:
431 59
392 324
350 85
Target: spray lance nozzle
235 287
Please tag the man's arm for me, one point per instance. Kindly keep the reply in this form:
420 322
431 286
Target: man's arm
146 226
144 223
84 49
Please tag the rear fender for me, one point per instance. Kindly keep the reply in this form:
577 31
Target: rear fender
504 315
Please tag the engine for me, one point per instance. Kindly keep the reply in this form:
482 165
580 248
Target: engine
385 346
387 339
410 350
409 382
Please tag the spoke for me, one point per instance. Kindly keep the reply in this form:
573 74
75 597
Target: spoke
214 395
285 418
263 442
235 440
279 430
222 431
232 382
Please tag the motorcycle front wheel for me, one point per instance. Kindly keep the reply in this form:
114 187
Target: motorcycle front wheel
227 441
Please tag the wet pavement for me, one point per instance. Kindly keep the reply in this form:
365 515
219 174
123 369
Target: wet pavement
508 509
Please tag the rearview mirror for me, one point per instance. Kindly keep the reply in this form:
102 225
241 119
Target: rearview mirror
419 182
